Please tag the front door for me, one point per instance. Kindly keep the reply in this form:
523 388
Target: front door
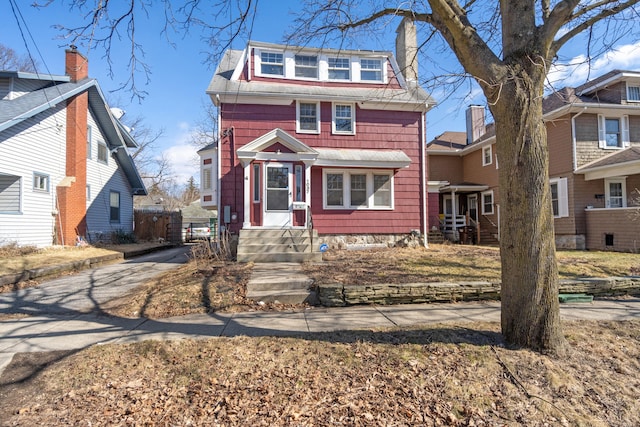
278 206
472 202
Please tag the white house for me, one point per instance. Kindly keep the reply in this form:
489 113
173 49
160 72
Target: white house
65 172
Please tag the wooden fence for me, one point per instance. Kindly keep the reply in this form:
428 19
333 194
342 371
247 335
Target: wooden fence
152 226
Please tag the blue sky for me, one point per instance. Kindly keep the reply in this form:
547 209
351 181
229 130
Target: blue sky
176 90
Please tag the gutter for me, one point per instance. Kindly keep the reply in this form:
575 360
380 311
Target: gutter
573 138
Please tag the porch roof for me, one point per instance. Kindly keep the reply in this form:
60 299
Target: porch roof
623 162
464 187
388 159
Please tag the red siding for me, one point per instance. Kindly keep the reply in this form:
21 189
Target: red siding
390 130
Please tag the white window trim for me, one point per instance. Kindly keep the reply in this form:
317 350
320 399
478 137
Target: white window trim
488 148
106 149
298 129
622 180
317 67
629 93
42 177
624 131
333 118
493 209
258 63
89 141
349 68
114 221
563 196
346 189
383 69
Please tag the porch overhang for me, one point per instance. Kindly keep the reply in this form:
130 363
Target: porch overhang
383 159
254 150
463 188
621 163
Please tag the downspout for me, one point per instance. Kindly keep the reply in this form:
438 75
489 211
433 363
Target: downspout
573 138
423 177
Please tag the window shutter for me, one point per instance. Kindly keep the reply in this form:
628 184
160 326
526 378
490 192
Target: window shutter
602 131
625 131
563 198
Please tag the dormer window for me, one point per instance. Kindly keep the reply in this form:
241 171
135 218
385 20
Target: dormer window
271 63
371 70
306 66
339 69
633 93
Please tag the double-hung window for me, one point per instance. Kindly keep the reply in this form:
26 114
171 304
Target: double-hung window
339 68
487 203
633 93
344 120
559 197
371 70
103 156
613 132
114 206
357 189
10 193
271 63
308 117
487 155
306 66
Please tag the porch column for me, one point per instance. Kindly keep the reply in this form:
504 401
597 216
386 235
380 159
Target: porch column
307 192
246 222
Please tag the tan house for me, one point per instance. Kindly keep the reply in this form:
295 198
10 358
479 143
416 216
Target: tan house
594 169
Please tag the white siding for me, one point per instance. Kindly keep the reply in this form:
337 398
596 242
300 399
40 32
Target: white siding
103 179
35 145
4 87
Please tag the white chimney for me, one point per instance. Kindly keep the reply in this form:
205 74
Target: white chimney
407 49
475 123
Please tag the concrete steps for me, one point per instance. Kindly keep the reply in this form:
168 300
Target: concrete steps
281 282
278 245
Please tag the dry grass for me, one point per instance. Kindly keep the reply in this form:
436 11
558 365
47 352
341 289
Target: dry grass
16 262
434 375
451 263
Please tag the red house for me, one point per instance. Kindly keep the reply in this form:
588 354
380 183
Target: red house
317 146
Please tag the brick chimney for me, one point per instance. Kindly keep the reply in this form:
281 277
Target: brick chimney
407 49
72 191
475 123
76 65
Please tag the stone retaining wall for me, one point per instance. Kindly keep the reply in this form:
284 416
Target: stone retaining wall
338 295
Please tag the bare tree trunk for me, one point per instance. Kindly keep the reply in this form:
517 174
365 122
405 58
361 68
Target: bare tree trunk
530 308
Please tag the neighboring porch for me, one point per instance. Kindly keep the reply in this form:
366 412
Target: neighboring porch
613 229
465 214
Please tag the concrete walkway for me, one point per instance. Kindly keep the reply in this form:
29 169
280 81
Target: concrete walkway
69 332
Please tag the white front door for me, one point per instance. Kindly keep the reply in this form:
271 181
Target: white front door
278 206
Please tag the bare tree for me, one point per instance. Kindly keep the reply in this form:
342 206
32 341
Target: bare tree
508 48
206 127
10 60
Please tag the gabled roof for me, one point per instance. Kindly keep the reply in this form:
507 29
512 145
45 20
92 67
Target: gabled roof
226 86
17 110
448 141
